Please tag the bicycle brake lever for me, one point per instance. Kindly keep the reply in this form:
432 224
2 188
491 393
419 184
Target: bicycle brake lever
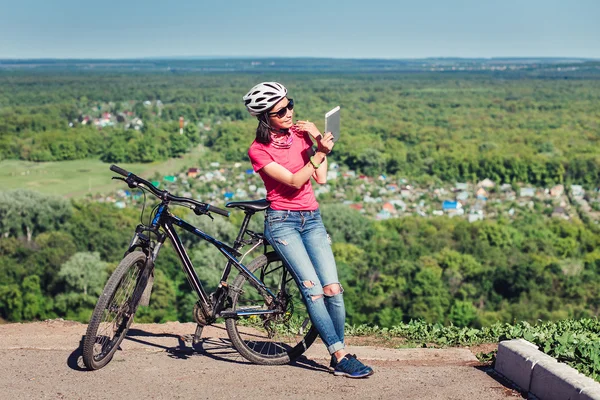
202 211
131 184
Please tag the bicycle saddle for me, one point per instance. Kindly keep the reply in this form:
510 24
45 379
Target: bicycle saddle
250 205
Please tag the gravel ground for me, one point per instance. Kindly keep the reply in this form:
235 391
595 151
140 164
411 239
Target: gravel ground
41 361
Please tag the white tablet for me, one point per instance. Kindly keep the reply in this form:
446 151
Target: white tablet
332 123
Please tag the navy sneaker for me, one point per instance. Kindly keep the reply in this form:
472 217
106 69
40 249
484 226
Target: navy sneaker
334 361
350 367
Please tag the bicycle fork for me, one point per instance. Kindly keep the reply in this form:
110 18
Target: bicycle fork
144 288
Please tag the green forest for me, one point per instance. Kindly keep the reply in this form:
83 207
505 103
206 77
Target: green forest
520 127
56 254
508 128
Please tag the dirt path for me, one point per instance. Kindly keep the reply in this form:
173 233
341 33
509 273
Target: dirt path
41 361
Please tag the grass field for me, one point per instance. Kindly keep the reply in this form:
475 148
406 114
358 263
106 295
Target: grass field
81 177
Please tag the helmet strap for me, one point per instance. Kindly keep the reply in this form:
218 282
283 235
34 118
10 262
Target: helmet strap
272 129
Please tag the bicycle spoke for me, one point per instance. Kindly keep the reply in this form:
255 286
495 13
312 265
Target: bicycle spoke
116 314
270 338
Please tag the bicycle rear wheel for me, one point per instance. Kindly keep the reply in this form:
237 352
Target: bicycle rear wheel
270 339
114 310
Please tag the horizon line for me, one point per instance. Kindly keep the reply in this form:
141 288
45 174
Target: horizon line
219 57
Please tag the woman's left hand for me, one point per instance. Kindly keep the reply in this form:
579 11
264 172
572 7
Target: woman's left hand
311 128
326 144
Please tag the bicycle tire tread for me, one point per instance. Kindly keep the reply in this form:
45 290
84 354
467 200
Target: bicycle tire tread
238 343
107 294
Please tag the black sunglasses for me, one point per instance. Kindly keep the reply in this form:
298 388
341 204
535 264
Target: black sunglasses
283 111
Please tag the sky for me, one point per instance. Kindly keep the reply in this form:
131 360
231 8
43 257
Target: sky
394 29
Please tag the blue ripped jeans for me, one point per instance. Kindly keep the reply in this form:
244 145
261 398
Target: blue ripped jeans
300 239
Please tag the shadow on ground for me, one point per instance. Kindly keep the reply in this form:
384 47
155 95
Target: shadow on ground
219 349
509 387
75 360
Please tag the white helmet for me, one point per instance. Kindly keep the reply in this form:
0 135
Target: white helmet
263 97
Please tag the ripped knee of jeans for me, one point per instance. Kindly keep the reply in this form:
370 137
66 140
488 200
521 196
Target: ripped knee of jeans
313 290
308 284
282 242
333 289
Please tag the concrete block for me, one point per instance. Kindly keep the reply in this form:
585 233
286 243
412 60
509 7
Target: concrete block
591 392
515 361
558 381
523 341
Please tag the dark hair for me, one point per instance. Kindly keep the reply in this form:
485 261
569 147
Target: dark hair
263 130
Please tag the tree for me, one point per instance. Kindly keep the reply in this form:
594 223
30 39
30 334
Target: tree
462 313
34 303
101 227
25 212
53 249
429 297
179 144
162 306
115 150
11 302
192 133
84 272
345 224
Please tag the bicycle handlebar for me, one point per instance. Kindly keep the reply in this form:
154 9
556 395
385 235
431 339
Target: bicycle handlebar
119 170
199 207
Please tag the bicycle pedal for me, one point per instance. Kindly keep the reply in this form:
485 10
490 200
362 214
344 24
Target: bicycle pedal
197 335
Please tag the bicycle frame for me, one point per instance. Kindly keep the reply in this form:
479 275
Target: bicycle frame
167 221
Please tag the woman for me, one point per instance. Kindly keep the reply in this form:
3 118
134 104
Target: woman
284 156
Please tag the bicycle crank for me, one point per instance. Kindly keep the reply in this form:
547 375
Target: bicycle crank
201 316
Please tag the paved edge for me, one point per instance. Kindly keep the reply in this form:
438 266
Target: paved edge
541 375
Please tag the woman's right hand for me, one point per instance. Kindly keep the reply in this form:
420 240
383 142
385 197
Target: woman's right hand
309 127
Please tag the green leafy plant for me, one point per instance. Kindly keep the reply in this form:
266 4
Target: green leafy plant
574 342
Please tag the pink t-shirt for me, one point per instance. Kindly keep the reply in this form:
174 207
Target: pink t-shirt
282 196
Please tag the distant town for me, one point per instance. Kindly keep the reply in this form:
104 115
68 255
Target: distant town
383 197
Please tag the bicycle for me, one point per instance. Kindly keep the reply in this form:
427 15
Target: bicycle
265 317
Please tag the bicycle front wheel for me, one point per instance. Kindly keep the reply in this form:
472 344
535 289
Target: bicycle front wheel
114 310
276 338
